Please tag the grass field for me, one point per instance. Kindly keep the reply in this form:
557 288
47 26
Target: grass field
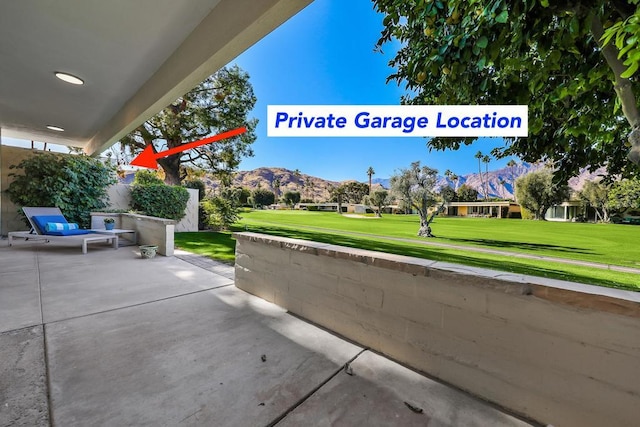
601 243
604 243
220 246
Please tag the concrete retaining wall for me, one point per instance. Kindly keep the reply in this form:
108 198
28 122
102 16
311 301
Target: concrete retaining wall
558 352
151 230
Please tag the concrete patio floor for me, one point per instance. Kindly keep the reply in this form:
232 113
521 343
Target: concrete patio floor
109 339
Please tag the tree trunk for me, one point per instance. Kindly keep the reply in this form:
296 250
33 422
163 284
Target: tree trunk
623 89
481 180
171 167
425 230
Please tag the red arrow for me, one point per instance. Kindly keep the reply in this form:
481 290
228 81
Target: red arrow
147 159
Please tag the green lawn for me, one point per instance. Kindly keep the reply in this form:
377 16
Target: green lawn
603 243
220 246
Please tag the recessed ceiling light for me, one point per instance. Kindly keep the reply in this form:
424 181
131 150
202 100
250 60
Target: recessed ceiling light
69 78
56 128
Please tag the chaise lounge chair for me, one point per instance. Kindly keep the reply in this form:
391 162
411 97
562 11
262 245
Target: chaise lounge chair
50 225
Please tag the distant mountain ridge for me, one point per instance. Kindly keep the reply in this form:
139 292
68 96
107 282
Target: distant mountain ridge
500 182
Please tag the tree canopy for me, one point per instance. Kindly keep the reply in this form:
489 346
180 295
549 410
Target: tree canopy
291 198
547 55
262 197
220 103
596 195
350 192
76 184
624 195
379 199
414 188
537 192
467 194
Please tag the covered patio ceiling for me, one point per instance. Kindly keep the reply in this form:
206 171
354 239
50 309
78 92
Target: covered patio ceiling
134 57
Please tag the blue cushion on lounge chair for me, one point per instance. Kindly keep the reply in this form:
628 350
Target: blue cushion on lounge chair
73 232
42 220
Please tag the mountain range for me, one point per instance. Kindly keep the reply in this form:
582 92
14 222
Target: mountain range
500 182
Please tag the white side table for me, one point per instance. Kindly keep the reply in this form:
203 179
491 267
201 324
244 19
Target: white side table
118 232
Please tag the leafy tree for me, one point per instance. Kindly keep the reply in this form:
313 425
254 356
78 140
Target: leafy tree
596 194
262 197
414 187
220 103
548 55
243 196
622 35
352 192
448 194
537 192
75 184
222 210
379 199
467 194
625 195
370 173
337 194
291 198
147 177
275 184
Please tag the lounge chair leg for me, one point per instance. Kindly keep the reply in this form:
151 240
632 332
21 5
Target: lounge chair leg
84 247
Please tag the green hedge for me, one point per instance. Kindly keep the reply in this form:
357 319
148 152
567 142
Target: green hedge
76 184
162 201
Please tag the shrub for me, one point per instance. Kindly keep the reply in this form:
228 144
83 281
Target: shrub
222 210
147 177
75 184
162 201
263 197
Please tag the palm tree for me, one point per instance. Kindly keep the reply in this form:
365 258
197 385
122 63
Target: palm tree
511 163
276 188
370 172
486 159
297 174
308 187
456 179
479 156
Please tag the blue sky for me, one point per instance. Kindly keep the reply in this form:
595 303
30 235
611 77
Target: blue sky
324 55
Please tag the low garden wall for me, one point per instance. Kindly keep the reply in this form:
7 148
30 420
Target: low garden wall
557 352
150 230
